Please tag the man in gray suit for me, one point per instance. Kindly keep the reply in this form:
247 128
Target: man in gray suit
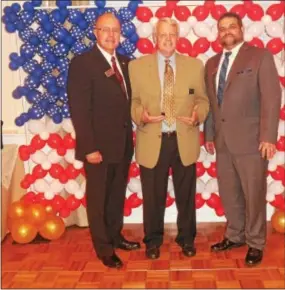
245 97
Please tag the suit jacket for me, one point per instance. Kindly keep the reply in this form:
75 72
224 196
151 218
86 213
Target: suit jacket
100 112
189 90
249 112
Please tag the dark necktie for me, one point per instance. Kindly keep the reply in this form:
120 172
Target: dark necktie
118 75
222 77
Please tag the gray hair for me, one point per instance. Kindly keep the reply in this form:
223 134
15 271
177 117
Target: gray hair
168 20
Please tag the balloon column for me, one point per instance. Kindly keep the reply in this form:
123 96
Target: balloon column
49 41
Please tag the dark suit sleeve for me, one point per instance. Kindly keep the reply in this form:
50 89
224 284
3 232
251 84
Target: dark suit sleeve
79 90
270 93
209 123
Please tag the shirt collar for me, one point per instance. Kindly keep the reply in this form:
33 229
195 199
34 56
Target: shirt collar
235 50
162 58
106 54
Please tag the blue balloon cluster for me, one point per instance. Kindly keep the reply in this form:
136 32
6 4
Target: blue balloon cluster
49 45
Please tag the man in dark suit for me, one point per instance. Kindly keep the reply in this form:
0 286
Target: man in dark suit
245 97
100 99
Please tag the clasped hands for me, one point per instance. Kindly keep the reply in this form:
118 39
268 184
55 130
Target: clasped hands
193 120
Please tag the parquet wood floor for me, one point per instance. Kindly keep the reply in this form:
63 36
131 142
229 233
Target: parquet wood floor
70 262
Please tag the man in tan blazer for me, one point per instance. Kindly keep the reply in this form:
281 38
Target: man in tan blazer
245 97
168 103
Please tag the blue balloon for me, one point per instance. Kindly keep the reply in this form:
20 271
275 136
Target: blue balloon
25 117
90 32
129 47
36 3
34 40
133 6
126 14
128 29
26 34
21 61
101 11
62 64
36 112
13 65
16 7
62 79
20 25
28 6
7 10
44 104
33 97
121 50
65 111
61 49
48 79
28 51
12 17
47 67
56 17
43 35
83 24
57 118
90 15
60 34
13 56
63 95
38 71
111 10
41 16
64 13
75 16
69 40
5 19
27 17
10 27
32 82
100 4
63 3
48 26
52 89
16 94
23 90
44 49
52 98
78 48
52 58
53 109
134 38
19 121
76 32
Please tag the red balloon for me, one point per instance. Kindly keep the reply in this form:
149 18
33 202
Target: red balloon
61 151
280 145
214 201
201 12
209 4
24 153
199 201
278 174
201 45
68 142
256 42
275 45
217 11
54 141
169 200
37 142
279 202
255 12
202 138
30 178
144 14
72 202
220 211
170 172
63 178
134 138
247 4
57 203
216 46
71 172
134 170
212 170
193 52
182 13
83 201
40 198
200 169
275 11
145 46
171 4
64 212
25 184
282 113
32 149
134 201
239 9
163 12
29 198
56 170
127 211
282 81
39 172
183 45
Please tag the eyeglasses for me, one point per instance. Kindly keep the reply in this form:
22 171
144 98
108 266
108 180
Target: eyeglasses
165 35
109 30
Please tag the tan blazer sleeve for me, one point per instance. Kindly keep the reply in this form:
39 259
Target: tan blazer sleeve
201 98
137 108
270 93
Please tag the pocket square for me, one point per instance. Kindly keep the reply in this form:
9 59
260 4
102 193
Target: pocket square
247 70
191 91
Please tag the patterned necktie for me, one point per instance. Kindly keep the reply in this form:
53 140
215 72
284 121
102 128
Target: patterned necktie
118 75
168 95
222 77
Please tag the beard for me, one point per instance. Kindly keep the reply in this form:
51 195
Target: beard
232 40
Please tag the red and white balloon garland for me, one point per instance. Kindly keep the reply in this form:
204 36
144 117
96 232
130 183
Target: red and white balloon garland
48 147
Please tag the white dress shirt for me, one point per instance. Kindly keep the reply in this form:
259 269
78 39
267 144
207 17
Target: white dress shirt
232 57
108 57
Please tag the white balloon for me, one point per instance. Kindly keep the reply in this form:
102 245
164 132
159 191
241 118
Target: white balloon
210 157
207 163
56 186
73 135
83 186
192 20
214 31
211 37
247 36
78 164
139 194
275 187
52 127
278 158
172 193
67 125
70 156
46 165
135 185
266 19
200 186
170 185
206 195
71 186
270 196
36 126
212 186
281 128
144 30
153 20
39 157
79 194
272 166
44 135
41 185
274 29
53 157
184 28
202 156
256 28
202 29
49 195
280 65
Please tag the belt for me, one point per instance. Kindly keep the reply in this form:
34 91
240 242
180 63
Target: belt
169 134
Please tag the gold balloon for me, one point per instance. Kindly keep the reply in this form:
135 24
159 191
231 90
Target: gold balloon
36 214
278 221
49 209
23 232
17 210
52 228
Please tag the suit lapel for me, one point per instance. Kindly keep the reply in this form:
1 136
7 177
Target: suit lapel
124 67
154 76
179 73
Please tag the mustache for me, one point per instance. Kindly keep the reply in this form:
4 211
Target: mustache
229 34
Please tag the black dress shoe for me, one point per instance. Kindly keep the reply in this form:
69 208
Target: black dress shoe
152 253
127 245
253 256
112 261
188 250
226 244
